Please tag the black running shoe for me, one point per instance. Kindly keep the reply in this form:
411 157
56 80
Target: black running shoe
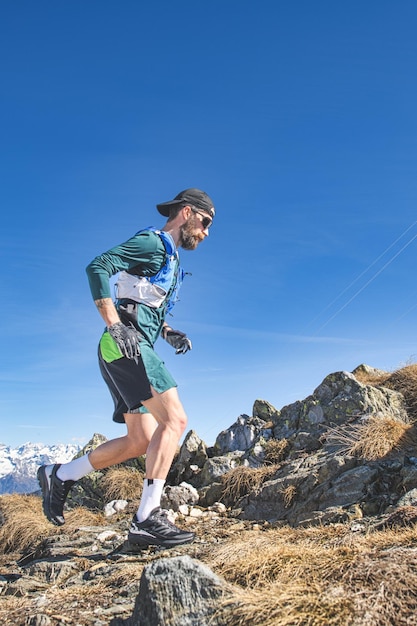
157 530
54 493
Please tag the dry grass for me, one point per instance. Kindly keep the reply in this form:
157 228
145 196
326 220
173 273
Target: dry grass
405 381
24 524
288 495
275 451
283 576
373 438
299 604
319 576
369 378
241 481
122 483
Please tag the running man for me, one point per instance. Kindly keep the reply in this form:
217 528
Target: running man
144 392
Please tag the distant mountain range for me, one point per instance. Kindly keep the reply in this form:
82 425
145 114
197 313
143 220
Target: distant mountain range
18 466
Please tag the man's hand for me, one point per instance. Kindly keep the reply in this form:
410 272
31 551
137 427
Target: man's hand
127 339
177 340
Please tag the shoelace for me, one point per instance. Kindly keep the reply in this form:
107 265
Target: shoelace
60 491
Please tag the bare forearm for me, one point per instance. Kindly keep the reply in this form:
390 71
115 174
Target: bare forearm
107 311
165 328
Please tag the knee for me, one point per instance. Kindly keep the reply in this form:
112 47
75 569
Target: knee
136 448
177 422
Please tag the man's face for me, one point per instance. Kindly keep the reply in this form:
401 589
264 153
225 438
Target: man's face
194 230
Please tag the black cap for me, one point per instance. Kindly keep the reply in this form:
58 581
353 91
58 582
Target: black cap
196 197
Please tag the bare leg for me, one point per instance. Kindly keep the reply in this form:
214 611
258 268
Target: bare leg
140 429
172 421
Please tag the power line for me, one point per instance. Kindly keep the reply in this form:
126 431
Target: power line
409 242
355 280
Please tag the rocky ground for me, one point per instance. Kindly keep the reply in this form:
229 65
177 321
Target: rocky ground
363 572
304 516
89 574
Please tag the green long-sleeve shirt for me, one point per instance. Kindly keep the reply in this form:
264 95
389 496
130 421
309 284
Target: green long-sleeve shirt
144 255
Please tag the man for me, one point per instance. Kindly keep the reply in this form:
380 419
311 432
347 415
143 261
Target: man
144 393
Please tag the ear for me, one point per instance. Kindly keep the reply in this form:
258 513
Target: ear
186 211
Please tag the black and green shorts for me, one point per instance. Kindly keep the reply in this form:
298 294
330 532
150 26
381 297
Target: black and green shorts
130 382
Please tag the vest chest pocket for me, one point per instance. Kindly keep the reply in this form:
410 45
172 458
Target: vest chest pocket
139 289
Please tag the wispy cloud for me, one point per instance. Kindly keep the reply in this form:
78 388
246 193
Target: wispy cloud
268 335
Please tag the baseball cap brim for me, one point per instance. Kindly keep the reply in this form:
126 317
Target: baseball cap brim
193 196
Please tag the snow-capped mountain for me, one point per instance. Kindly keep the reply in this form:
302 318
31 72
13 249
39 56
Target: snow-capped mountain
18 466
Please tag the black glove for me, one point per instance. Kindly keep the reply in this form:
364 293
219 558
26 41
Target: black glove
178 340
127 339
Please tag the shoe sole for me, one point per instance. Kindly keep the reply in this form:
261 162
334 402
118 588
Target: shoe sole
138 540
43 482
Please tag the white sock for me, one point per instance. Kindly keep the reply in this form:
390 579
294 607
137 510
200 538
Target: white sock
151 497
76 469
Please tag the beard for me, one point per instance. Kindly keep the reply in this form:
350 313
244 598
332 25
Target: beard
189 238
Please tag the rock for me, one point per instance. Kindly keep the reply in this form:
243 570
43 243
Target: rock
339 399
88 491
218 507
240 436
178 591
265 411
293 474
408 499
107 535
331 515
95 441
115 506
369 371
211 494
55 571
174 497
217 466
191 458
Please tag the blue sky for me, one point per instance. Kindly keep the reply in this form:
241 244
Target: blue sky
298 118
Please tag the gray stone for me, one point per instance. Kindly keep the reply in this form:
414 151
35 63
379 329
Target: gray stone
339 399
210 494
178 591
264 410
240 436
370 371
217 466
189 462
52 571
174 497
408 499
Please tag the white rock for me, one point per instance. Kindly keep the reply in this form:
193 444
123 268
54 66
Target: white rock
218 507
106 535
184 509
114 507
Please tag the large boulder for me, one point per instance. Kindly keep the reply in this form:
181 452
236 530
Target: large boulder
339 399
264 410
240 436
178 591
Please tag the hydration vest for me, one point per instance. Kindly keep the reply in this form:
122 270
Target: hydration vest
154 291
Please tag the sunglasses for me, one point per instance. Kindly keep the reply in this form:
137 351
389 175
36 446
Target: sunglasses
206 221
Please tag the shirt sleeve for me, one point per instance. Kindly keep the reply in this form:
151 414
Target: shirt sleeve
144 252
